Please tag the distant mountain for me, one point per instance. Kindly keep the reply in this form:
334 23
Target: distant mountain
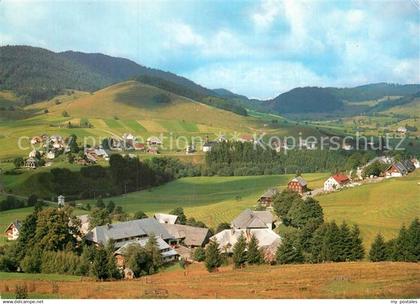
228 94
38 74
306 100
388 104
375 91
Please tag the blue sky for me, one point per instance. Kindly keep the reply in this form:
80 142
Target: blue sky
256 48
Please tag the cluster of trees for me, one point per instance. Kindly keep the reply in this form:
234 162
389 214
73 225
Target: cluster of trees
236 158
309 239
123 175
404 248
11 202
49 242
144 260
103 213
374 169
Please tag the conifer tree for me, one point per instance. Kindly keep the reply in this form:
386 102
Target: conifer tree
377 251
288 252
113 271
213 258
153 250
239 251
253 255
357 249
345 242
100 264
403 250
414 236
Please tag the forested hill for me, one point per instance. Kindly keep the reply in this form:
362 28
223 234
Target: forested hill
306 100
38 74
375 91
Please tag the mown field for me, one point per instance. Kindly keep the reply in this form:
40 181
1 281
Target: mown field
209 199
340 280
378 207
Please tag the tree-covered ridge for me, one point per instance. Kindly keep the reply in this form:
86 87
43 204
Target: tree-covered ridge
307 99
37 74
375 91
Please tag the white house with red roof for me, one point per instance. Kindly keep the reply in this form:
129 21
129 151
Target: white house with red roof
337 181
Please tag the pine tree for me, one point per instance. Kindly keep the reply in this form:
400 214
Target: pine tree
113 272
253 255
345 242
377 251
100 264
213 258
199 254
239 251
357 249
331 244
153 250
414 236
288 253
404 247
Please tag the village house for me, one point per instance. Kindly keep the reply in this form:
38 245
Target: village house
399 169
208 146
268 240
335 182
188 236
154 141
164 218
249 219
139 146
221 138
12 231
60 201
190 149
84 223
298 184
402 130
266 199
246 138
153 150
128 231
31 163
416 163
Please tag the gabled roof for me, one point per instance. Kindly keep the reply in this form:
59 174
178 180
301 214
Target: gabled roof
130 229
192 236
163 246
341 178
270 192
164 218
249 219
300 180
228 238
16 223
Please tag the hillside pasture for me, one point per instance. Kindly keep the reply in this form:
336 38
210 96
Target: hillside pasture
316 281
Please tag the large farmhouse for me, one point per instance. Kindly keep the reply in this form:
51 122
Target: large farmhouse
129 231
335 182
164 218
188 236
298 184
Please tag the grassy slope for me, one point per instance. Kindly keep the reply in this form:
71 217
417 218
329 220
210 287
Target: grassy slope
339 280
380 207
210 199
129 107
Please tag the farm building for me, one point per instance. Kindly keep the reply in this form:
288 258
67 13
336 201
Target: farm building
268 240
124 232
337 181
416 163
266 199
153 140
189 236
249 219
208 146
31 163
400 168
84 223
298 184
12 231
168 253
164 218
139 147
246 138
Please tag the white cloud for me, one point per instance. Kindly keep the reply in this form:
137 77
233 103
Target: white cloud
266 13
260 80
